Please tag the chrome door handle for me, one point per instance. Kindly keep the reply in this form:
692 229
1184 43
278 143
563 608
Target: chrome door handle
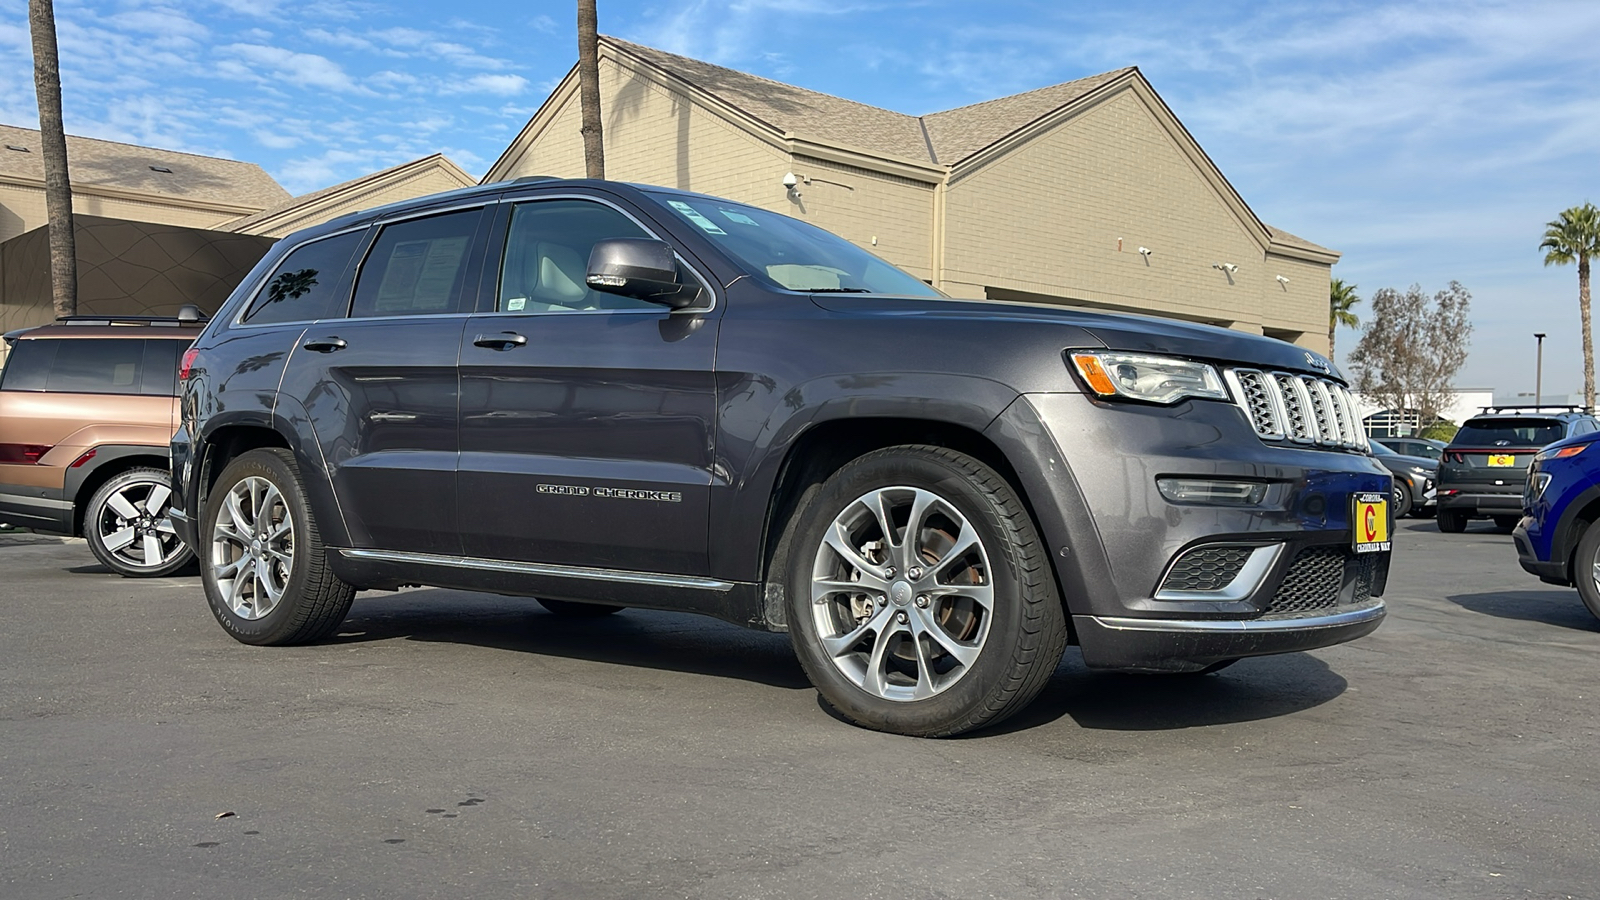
325 345
505 340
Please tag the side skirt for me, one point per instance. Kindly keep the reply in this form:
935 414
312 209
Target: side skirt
738 602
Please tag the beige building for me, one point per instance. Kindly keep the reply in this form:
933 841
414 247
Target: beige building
1089 193
428 175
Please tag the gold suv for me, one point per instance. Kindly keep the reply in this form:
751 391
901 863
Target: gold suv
87 410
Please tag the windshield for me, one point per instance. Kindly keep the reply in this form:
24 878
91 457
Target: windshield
1519 432
791 254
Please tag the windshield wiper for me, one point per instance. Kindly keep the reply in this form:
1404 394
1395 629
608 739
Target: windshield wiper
839 290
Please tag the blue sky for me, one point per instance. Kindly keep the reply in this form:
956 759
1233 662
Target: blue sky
1428 141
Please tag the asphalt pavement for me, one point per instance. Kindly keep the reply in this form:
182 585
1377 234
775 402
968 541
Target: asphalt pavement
447 744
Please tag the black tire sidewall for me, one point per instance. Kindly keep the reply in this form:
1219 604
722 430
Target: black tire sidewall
974 690
1451 521
91 525
281 624
1583 568
1405 504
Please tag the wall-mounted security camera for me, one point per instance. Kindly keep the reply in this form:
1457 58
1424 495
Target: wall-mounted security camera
1282 280
1230 268
791 183
1145 251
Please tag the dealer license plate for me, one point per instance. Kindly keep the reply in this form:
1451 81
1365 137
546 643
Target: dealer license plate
1369 523
1502 460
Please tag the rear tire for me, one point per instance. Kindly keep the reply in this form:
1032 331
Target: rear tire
1506 523
125 524
1451 521
569 609
262 561
920 598
1586 569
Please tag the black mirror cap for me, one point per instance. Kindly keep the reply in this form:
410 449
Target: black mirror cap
642 268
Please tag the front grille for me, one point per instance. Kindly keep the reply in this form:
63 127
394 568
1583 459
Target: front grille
1206 569
1316 580
1299 408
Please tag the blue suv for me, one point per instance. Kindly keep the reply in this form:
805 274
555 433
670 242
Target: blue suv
1560 500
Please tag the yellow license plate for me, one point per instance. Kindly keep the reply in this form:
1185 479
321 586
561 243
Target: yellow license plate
1502 460
1369 523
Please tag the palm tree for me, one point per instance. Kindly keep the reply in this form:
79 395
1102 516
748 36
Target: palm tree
1576 236
53 146
594 151
1341 297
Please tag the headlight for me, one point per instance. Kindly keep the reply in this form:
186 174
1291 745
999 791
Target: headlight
1418 470
1153 379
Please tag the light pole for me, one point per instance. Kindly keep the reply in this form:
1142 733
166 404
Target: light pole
1538 373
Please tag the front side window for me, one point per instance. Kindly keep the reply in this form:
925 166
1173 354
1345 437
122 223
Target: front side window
305 285
417 267
546 260
791 254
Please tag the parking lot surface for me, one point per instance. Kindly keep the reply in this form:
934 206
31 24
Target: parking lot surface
463 745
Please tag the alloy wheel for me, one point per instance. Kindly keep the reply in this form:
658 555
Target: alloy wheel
132 525
902 593
252 547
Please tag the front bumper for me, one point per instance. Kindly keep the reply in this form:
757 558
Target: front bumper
1189 645
1091 470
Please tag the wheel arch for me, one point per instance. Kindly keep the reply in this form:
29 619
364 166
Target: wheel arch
107 463
1581 513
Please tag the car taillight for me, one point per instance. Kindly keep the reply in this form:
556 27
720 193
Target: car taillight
1457 458
187 364
26 454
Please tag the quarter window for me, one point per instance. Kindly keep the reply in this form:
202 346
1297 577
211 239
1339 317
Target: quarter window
417 267
305 285
97 367
547 257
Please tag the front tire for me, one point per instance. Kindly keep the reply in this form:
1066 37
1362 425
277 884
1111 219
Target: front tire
262 562
127 529
1402 499
1506 523
920 597
1451 521
1586 569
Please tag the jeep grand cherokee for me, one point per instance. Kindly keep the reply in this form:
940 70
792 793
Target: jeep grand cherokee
607 396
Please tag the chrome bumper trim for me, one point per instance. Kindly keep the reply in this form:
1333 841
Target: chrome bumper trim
1251 574
1357 616
523 568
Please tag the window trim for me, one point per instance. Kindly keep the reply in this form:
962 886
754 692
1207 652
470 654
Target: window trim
500 256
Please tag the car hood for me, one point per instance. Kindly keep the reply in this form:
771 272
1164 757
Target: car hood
1117 331
1399 461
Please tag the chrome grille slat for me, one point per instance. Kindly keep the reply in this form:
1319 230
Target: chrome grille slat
1300 408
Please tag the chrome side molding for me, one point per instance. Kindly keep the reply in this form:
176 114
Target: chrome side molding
1356 616
525 568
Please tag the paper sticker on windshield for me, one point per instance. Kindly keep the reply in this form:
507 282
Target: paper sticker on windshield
516 304
738 217
693 215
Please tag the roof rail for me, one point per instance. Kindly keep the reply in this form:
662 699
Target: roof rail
529 179
1537 407
188 315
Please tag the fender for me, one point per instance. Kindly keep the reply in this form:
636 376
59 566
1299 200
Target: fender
1567 534
112 455
756 456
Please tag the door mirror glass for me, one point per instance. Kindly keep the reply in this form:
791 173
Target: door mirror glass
641 268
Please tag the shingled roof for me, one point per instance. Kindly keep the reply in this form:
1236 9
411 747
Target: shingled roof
959 133
96 163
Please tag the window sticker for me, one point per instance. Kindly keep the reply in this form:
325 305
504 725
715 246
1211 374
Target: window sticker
515 304
739 217
693 215
420 274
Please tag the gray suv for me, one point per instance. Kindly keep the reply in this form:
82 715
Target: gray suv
1482 471
607 396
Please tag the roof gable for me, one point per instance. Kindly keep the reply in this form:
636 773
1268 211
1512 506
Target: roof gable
127 167
957 134
306 209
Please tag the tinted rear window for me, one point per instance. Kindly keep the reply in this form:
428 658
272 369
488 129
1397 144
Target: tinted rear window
418 267
28 366
305 285
95 366
1519 432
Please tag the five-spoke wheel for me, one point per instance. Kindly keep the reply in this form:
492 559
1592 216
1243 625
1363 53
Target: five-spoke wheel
127 529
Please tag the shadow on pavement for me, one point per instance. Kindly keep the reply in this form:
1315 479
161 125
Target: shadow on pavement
1251 689
1556 607
676 642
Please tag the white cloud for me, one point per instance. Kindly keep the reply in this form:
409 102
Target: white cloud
304 69
498 85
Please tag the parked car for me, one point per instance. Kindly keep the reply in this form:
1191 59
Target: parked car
1486 463
605 395
1415 477
1560 501
1427 448
87 410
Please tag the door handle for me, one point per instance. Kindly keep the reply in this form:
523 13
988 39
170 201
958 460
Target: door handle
325 345
505 340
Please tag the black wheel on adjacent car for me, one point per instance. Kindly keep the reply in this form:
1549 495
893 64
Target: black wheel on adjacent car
1586 569
262 561
127 529
1452 521
1400 492
920 597
574 610
1506 523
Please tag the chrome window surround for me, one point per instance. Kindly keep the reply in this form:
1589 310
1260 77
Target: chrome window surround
1249 578
1300 409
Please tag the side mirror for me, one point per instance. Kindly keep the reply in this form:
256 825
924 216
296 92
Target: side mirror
641 268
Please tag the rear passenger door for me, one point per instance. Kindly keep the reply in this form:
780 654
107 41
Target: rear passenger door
587 418
379 385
